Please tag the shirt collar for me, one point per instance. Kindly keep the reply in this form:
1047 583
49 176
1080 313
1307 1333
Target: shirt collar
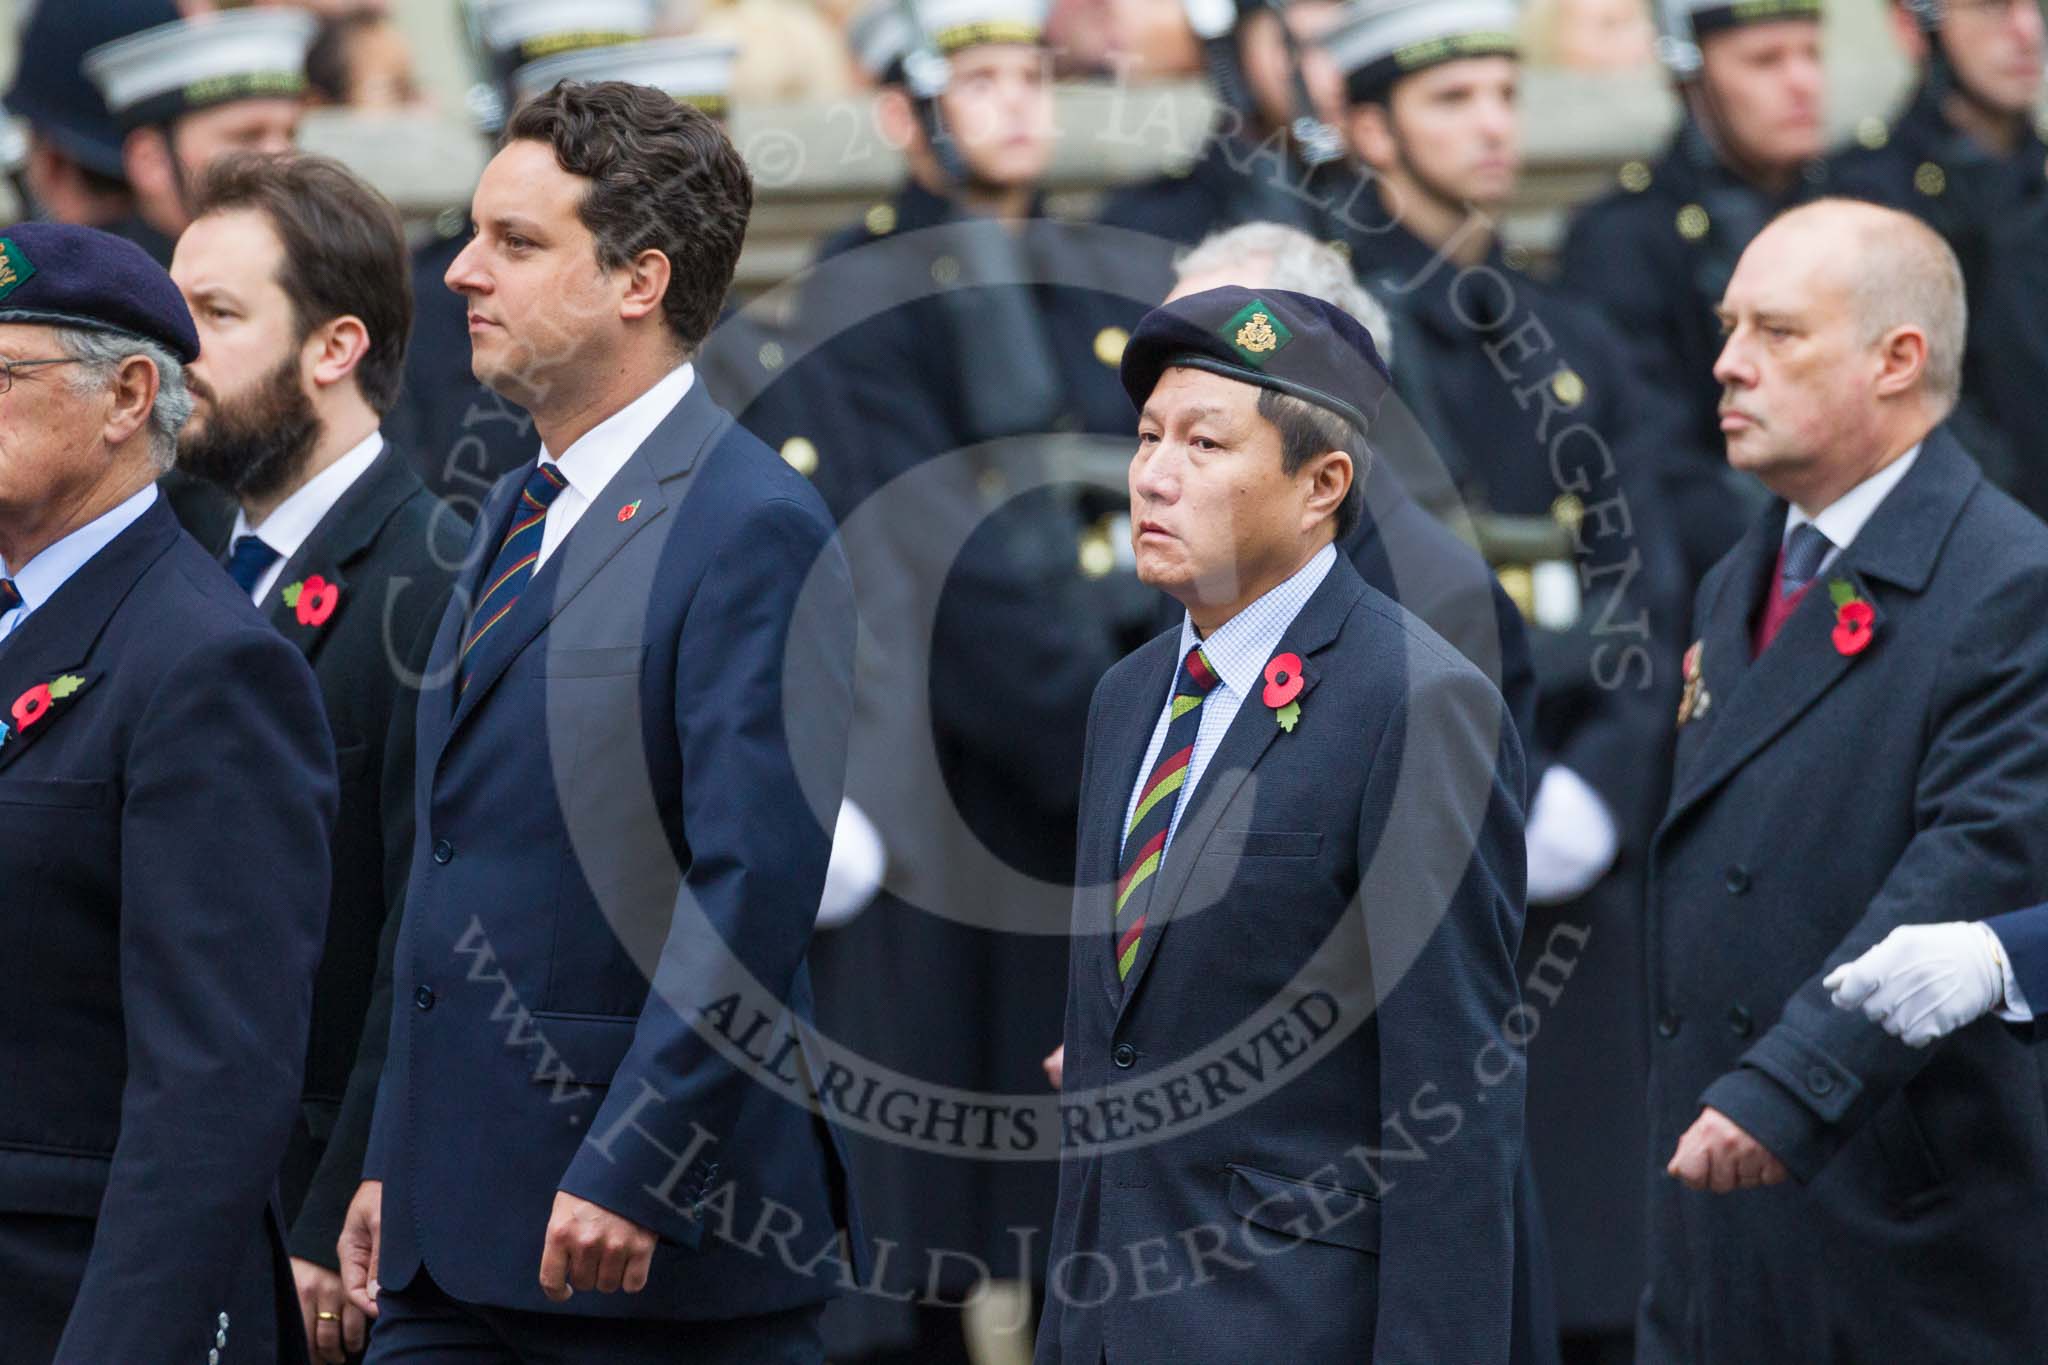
39 579
1241 647
600 453
1842 520
294 520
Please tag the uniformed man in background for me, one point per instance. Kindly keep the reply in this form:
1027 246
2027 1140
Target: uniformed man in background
184 94
1273 94
979 350
188 91
71 169
1967 157
1533 406
460 436
1657 252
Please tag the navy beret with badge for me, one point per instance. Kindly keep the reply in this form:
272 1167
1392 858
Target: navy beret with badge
60 275
1271 338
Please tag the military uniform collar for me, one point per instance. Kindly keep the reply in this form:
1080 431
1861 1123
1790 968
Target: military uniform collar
1423 277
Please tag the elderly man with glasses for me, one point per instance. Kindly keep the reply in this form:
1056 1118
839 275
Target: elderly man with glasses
167 788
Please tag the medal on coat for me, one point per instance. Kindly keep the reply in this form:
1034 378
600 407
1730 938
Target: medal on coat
1697 699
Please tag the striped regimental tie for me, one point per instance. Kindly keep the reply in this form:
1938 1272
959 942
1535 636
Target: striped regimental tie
513 567
1144 850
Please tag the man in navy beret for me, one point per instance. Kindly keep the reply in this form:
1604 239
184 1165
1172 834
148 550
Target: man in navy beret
167 786
1292 1103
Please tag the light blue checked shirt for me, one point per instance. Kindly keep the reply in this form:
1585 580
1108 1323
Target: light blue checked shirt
1239 652
39 579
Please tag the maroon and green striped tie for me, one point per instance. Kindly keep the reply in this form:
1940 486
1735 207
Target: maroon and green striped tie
518 552
1144 846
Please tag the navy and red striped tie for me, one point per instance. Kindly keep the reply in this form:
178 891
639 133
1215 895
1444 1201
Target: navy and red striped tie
1144 847
513 568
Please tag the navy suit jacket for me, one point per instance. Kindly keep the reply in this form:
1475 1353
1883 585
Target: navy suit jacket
389 547
638 786
166 862
1329 959
2024 933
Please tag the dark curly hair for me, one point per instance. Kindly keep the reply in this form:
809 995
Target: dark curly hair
663 177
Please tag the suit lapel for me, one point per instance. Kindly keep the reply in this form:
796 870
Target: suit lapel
1755 702
1252 731
344 535
57 639
603 530
1783 683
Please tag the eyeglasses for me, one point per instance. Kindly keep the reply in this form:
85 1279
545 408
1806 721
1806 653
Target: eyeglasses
8 367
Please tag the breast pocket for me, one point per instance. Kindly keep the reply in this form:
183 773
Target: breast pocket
1264 843
56 794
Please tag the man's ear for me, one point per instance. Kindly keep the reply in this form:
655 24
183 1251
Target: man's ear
1902 361
896 119
1329 476
147 159
1370 131
336 349
134 399
647 280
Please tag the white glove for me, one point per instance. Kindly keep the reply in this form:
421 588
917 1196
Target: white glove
1924 981
855 873
1572 838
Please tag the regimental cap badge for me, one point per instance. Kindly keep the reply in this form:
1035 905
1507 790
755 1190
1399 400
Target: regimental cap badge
1255 333
14 267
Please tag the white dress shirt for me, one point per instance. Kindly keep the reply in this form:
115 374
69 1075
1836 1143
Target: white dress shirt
292 523
1842 520
38 580
1239 651
597 457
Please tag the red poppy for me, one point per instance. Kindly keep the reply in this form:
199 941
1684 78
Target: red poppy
1283 679
317 600
32 705
1853 627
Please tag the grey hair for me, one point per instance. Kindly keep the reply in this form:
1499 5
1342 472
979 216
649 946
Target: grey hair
99 355
1910 277
1297 262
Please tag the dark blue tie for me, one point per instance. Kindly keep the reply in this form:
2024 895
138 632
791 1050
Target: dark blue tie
1804 552
510 571
249 560
10 596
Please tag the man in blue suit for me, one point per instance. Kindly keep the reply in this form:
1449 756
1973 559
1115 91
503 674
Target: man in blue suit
1292 1102
167 788
631 750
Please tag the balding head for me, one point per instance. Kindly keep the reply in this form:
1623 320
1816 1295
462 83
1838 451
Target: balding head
1846 327
1900 272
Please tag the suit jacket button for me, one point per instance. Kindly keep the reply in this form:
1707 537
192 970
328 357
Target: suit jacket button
1667 1024
444 852
1737 880
1740 1023
1818 1080
424 997
1125 1055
